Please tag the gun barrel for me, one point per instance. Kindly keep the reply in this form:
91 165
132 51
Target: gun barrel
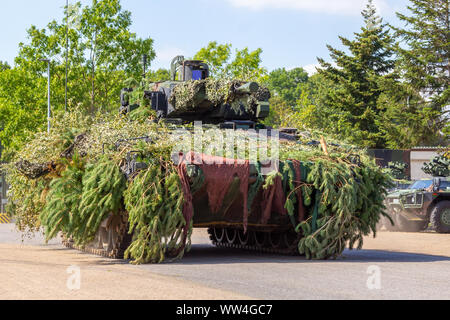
249 87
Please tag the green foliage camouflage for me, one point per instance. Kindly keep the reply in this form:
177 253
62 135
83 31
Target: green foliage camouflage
61 211
438 167
103 187
342 192
347 205
397 170
154 201
79 200
194 95
343 195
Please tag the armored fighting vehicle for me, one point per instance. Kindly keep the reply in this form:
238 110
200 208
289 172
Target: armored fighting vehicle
122 186
425 203
241 108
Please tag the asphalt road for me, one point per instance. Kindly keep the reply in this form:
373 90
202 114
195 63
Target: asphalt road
393 266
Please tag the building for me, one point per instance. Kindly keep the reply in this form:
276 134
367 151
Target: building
384 156
415 158
419 156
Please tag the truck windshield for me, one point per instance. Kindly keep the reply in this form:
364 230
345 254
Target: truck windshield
421 184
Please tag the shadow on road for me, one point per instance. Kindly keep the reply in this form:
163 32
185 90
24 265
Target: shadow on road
207 254
203 253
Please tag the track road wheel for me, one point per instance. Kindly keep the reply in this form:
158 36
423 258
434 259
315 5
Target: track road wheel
440 217
112 241
275 240
219 234
231 235
260 239
244 239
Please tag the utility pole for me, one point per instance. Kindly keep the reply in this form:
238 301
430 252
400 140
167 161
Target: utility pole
67 49
49 110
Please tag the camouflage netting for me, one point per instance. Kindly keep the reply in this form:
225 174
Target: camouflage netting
70 181
438 167
397 170
187 96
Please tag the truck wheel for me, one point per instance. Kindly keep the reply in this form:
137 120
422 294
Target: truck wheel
440 217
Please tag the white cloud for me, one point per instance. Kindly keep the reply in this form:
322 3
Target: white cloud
311 68
345 7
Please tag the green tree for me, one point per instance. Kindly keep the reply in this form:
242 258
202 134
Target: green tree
23 107
424 56
280 114
216 56
288 84
4 66
245 65
158 75
102 50
109 43
102 53
407 121
357 77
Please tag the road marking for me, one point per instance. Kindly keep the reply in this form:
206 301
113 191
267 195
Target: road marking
4 218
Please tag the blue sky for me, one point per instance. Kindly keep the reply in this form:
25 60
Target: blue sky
292 33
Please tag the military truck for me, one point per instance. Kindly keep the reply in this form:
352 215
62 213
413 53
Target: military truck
424 204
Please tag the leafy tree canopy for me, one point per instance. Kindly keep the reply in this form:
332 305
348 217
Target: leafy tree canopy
4 66
158 75
102 51
245 65
288 84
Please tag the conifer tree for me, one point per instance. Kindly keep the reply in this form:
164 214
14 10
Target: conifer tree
358 77
424 55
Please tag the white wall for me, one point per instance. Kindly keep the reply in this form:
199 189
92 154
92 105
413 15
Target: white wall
418 157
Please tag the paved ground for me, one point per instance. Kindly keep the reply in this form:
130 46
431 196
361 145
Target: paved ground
393 266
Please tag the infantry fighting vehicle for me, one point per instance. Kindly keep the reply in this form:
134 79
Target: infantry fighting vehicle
245 105
308 200
425 203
